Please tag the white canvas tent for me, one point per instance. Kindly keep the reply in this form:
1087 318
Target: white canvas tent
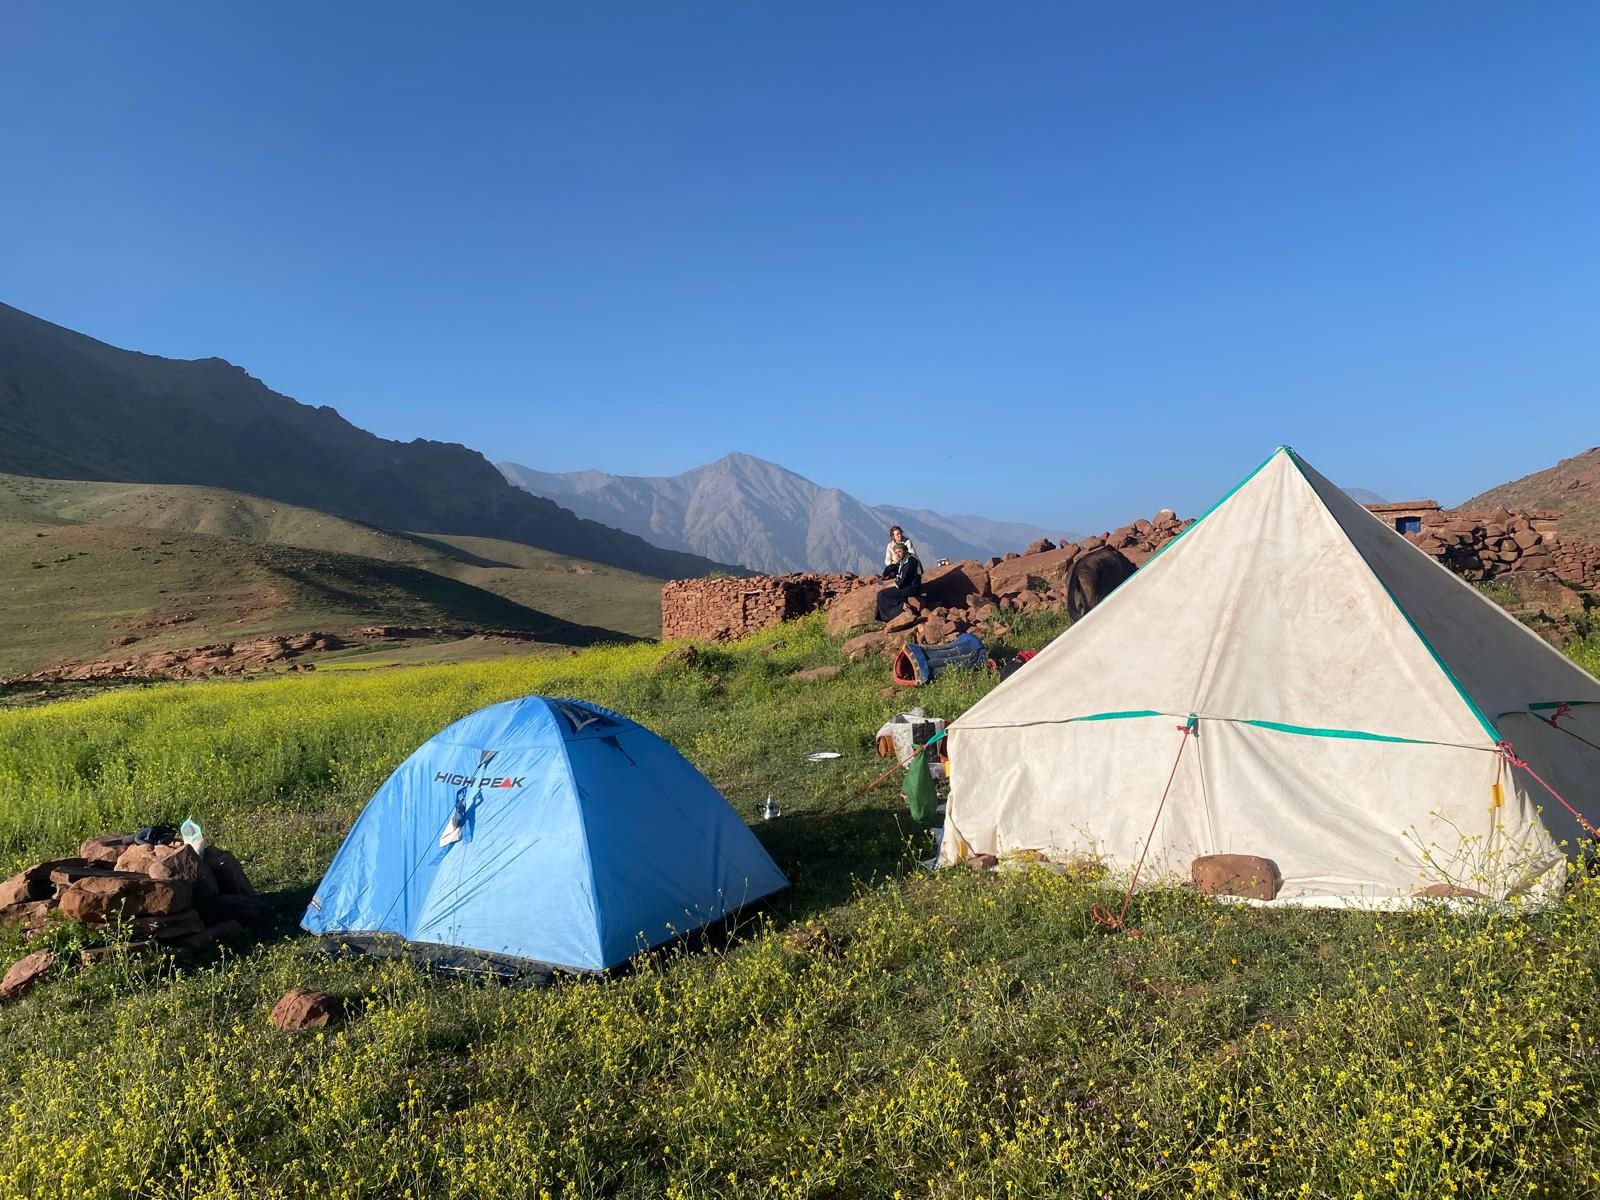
1349 696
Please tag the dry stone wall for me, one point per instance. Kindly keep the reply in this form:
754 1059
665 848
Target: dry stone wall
954 595
1476 545
1486 545
720 610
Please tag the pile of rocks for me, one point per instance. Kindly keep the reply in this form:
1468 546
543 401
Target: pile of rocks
719 610
1479 546
962 595
162 893
220 658
956 596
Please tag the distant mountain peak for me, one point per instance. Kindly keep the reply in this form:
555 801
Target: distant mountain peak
1364 495
766 517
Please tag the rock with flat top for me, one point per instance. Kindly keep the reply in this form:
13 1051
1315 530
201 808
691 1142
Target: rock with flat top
105 850
1244 875
954 585
26 972
95 899
856 607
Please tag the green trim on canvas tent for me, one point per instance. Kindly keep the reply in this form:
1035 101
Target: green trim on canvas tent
1472 705
1360 735
1552 704
1193 719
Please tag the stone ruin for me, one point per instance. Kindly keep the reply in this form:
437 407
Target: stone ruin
162 894
1483 546
1523 550
955 596
721 610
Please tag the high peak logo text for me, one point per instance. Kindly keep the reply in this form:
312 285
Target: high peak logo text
488 781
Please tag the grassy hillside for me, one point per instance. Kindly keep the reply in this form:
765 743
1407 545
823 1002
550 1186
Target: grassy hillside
85 565
89 592
949 1035
1571 488
75 408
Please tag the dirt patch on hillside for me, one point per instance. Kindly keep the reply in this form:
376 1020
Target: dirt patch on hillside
250 655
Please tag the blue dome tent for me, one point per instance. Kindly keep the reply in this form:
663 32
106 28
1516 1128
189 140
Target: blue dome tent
552 832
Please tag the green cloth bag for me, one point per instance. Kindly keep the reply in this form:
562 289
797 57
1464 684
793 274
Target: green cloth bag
917 788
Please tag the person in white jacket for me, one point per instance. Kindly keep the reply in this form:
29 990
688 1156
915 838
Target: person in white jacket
897 537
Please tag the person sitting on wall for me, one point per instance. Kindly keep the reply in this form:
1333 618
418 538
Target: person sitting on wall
907 583
897 537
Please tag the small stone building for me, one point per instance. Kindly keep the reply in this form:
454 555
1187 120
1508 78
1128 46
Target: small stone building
720 610
1406 517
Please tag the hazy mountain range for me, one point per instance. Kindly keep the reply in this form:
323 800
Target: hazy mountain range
756 513
72 407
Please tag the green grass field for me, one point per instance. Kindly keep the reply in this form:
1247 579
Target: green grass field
951 1035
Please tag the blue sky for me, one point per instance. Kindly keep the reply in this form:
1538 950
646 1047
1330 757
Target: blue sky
1060 263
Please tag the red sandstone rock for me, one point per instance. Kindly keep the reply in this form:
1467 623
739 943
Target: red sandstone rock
851 610
1012 577
951 585
902 620
1450 889
26 972
138 858
302 1008
106 849
23 888
1236 875
30 914
94 899
1039 546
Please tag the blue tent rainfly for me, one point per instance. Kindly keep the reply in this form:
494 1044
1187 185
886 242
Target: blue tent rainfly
550 831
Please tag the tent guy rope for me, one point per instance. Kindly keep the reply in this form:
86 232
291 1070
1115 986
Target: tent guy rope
1099 912
1553 720
1510 756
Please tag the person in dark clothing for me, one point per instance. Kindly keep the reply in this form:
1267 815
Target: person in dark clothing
907 582
897 537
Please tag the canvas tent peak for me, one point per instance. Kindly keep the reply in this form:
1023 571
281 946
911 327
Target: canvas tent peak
1351 697
546 831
